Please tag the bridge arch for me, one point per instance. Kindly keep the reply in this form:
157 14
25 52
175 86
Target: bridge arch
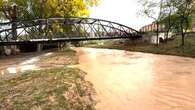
63 29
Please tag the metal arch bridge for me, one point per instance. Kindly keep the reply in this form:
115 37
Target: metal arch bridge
53 30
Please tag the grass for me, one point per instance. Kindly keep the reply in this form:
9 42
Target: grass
56 89
59 88
170 48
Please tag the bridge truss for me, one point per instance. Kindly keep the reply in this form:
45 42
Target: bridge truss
63 29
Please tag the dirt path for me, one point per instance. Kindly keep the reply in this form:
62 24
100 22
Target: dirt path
137 81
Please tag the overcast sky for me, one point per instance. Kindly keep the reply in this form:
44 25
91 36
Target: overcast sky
121 11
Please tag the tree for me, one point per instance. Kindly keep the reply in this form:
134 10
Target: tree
29 9
184 11
179 17
168 16
38 9
152 9
1 4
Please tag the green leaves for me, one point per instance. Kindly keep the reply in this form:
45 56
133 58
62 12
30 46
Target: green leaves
29 9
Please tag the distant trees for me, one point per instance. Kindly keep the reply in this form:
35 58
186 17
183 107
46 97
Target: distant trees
175 14
183 13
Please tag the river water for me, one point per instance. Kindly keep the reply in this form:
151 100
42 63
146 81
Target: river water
138 81
12 66
129 80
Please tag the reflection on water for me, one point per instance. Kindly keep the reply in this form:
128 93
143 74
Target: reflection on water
136 81
17 69
30 61
21 68
17 65
27 67
12 70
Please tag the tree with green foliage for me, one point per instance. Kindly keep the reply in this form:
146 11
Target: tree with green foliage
30 9
38 9
184 13
168 16
179 17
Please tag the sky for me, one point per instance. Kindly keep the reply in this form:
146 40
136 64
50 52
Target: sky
121 11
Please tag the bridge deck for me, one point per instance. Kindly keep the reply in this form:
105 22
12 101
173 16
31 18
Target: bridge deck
58 40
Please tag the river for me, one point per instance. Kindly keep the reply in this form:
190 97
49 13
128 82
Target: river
132 80
138 81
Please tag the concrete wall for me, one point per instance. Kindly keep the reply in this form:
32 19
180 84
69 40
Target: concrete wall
152 37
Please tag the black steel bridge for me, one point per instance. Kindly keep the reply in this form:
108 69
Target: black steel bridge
52 30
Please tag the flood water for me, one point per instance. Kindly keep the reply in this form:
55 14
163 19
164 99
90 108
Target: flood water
128 80
14 65
138 81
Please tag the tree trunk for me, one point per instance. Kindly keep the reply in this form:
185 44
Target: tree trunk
183 39
169 27
182 34
157 33
14 25
14 31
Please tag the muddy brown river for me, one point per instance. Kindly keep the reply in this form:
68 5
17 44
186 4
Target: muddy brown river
132 80
138 81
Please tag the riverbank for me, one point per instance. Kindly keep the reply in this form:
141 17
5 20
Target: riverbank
55 86
172 47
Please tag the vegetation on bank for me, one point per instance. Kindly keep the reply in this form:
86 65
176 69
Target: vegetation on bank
56 89
172 47
59 88
63 57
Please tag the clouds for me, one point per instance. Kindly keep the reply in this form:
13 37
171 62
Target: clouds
122 11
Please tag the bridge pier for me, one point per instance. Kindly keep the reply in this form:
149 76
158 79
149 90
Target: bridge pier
1 50
39 47
15 50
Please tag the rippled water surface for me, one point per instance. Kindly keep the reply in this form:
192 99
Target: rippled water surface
137 81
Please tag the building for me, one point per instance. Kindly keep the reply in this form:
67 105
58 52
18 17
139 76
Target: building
150 35
152 28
